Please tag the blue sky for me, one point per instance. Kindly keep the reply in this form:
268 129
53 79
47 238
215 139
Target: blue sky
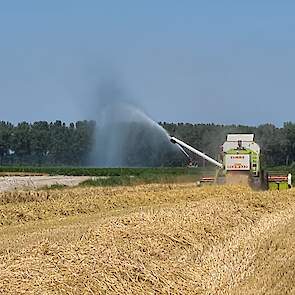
182 61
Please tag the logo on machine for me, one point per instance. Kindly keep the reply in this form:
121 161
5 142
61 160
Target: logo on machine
237 157
237 162
238 166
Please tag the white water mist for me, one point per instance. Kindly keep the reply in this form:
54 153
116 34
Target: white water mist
126 136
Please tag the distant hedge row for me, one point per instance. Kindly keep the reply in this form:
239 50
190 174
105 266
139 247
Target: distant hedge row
79 171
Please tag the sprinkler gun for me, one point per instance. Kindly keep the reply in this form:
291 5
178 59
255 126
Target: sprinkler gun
183 145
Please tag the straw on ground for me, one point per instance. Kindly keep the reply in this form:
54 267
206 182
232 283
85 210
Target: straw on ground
158 238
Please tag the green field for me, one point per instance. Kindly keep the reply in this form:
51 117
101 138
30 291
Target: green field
81 171
125 176
114 176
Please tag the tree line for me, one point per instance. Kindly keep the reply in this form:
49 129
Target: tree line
57 143
43 143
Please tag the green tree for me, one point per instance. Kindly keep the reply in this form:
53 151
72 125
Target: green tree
39 142
289 131
5 140
21 142
59 143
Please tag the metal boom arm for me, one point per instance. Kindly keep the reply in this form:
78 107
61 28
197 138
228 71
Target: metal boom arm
193 150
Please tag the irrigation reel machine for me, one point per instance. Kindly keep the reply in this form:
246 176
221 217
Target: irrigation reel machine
239 164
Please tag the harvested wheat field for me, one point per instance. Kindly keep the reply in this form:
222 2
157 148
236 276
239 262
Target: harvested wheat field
148 239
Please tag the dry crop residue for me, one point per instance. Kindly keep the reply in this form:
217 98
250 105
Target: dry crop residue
166 239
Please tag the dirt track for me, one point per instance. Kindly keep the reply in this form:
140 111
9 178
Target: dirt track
10 183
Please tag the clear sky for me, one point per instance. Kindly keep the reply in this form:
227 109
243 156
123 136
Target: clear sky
181 61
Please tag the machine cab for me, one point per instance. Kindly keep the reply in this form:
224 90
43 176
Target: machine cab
241 153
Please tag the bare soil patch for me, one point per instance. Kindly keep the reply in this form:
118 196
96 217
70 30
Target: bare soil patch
10 183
